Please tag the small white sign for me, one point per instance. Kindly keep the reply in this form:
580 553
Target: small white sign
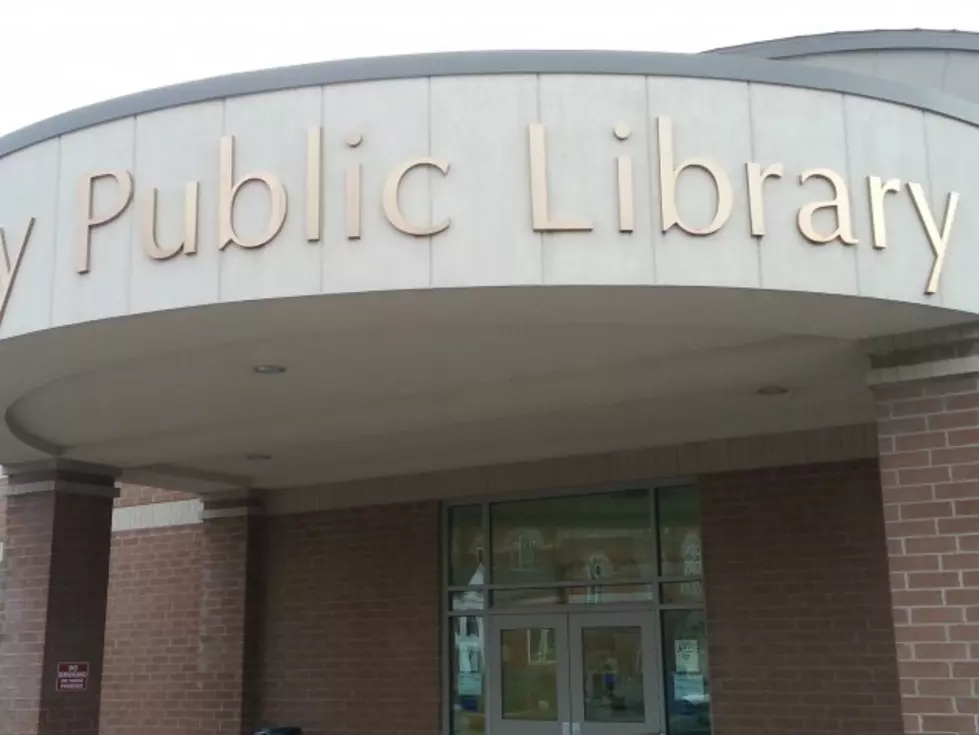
687 652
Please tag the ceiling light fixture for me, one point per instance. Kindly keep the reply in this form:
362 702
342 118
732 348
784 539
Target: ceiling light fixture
772 390
269 369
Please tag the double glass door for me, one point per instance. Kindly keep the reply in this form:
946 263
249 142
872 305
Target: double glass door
575 674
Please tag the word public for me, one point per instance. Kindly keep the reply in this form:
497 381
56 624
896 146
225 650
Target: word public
120 188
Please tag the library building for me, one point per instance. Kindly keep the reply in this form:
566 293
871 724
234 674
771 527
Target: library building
499 393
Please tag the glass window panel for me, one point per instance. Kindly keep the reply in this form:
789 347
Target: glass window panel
468 687
687 679
683 593
524 597
528 670
466 600
466 545
572 539
609 594
678 516
612 686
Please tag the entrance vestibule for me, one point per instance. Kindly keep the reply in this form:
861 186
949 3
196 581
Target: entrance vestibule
579 614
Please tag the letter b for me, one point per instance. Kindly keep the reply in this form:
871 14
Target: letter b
669 174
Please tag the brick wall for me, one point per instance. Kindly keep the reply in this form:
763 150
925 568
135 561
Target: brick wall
350 616
143 495
152 640
798 602
351 621
929 444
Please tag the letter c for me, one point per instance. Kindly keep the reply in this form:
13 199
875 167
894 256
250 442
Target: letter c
392 207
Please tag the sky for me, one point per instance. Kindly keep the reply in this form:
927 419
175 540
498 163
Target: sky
56 55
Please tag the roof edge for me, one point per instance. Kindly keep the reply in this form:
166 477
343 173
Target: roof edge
719 66
921 39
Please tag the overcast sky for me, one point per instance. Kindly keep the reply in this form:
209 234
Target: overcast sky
56 55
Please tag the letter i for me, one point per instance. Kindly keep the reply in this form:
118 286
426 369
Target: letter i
624 165
353 191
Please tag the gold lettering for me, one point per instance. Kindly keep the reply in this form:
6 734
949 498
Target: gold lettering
228 191
89 221
8 271
314 183
670 174
353 202
392 206
147 224
878 189
938 240
840 202
540 212
756 194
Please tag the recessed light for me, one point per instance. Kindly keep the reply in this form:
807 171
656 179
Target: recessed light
772 390
258 457
269 369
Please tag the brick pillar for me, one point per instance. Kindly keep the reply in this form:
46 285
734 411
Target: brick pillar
55 577
929 458
230 603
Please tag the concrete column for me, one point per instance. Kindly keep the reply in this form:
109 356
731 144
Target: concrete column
54 576
230 606
927 391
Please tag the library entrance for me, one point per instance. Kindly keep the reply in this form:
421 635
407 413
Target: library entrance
575 674
578 614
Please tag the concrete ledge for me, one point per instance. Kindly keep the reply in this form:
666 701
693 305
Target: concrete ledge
156 515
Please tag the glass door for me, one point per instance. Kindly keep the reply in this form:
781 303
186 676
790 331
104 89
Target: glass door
528 658
614 672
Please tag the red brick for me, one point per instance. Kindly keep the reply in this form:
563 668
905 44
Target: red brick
963 437
963 632
918 511
967 508
937 615
969 543
945 687
953 526
930 545
920 563
928 580
940 651
956 420
56 561
922 633
957 491
907 425
907 529
924 475
966 670
949 724
959 562
929 705
916 407
927 440
901 460
822 614
962 597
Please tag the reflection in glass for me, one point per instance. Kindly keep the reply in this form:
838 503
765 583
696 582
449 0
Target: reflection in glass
687 679
466 545
466 600
609 594
580 538
525 597
683 593
678 516
612 686
528 670
468 693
